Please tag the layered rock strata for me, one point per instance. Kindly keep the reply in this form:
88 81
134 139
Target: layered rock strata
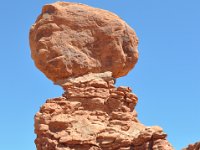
93 114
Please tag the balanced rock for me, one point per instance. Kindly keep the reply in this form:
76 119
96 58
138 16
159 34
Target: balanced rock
84 49
70 40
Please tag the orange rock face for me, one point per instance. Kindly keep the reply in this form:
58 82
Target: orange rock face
93 114
70 39
84 49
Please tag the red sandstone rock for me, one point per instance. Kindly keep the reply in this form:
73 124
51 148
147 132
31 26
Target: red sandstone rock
195 146
71 39
88 117
83 49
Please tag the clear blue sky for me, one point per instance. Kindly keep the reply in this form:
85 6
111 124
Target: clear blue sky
166 78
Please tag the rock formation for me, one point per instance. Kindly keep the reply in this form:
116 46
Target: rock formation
70 40
195 146
83 49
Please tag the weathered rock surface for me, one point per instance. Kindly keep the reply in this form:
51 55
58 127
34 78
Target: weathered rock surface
195 146
70 39
93 114
84 49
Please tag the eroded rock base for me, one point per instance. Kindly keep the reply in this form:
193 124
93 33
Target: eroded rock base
93 114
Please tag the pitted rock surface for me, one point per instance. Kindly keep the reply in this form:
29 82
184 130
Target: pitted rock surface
70 39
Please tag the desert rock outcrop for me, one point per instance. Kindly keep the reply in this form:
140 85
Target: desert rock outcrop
93 114
195 146
83 49
70 39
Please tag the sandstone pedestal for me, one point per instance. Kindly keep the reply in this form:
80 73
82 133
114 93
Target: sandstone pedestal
93 114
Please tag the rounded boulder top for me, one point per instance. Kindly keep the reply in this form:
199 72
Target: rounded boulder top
71 40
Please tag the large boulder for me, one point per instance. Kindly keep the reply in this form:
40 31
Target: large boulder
71 40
